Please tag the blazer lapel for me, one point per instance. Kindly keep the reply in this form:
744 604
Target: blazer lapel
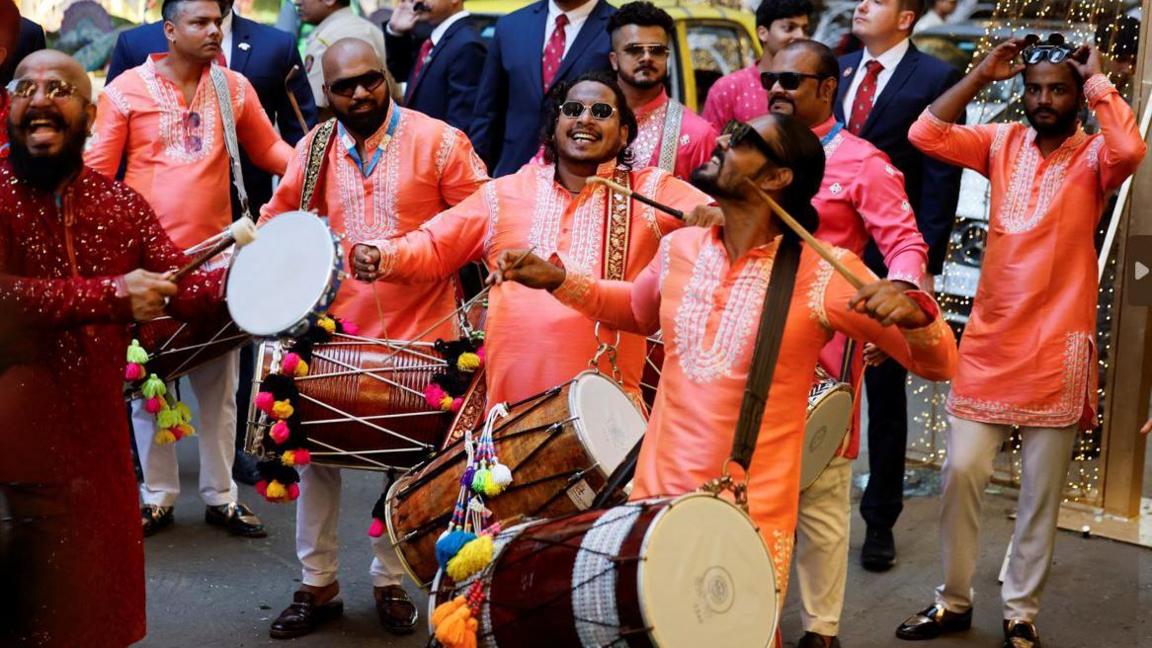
241 43
535 42
439 47
905 70
594 26
851 65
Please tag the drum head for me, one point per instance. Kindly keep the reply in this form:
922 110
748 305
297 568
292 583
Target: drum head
609 422
827 424
707 578
284 276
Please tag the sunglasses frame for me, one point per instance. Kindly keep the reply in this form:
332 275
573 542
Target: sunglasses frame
770 79
53 88
653 50
357 82
738 133
1053 50
585 107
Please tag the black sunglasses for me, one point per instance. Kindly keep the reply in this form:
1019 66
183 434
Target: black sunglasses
787 80
739 134
347 87
53 88
1055 50
573 110
636 50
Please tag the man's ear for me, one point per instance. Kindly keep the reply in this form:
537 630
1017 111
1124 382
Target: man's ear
89 117
776 180
827 89
169 31
612 60
907 21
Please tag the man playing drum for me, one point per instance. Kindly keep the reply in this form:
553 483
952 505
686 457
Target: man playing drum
705 288
166 121
377 170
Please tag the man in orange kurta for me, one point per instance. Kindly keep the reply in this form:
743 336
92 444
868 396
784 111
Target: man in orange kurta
164 118
533 342
1028 354
705 289
386 170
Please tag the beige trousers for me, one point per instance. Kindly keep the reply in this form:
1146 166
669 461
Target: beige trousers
822 548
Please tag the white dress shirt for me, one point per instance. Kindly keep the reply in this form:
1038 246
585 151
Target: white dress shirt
576 20
226 44
889 60
438 33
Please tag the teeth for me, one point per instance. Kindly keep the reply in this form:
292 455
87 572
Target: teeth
583 137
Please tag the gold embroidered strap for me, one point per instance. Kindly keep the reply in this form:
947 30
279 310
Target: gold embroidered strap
670 142
314 165
618 226
224 99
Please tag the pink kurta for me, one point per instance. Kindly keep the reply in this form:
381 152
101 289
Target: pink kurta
533 341
424 166
694 140
1028 355
736 96
709 310
175 151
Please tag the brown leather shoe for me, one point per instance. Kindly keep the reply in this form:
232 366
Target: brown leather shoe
397 612
304 615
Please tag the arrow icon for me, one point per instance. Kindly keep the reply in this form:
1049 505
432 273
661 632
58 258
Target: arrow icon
1141 271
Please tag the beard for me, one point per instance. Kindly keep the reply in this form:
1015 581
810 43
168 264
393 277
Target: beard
644 84
363 125
707 180
46 172
1064 123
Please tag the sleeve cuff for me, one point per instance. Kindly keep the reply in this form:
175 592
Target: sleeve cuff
1096 87
932 120
574 290
387 255
931 334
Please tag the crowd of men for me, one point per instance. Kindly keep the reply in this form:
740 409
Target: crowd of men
484 158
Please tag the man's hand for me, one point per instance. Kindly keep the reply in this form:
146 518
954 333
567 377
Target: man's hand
998 65
404 17
532 271
704 216
885 302
148 293
365 262
874 356
1091 61
1147 427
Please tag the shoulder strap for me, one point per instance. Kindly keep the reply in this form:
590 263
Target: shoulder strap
670 142
224 98
314 164
617 229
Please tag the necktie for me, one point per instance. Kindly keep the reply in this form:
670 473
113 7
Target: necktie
421 59
554 50
865 96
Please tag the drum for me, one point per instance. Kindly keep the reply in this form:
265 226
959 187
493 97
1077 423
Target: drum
685 572
829 417
561 446
653 365
176 348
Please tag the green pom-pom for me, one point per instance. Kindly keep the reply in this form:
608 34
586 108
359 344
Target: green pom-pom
153 387
167 418
136 353
183 412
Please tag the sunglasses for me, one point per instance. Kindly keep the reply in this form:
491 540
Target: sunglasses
347 87
787 80
53 88
740 134
654 51
573 110
193 136
1055 50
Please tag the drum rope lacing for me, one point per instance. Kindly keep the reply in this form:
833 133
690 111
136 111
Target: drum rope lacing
606 350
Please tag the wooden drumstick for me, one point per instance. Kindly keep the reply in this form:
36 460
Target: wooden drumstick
292 98
816 245
621 189
240 233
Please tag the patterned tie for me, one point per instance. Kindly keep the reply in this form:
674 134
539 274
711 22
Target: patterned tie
554 50
421 58
865 96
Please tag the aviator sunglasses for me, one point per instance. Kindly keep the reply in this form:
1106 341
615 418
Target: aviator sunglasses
1055 50
573 110
53 88
347 87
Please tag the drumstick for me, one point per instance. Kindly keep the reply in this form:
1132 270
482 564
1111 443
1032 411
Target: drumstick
817 246
621 189
292 98
240 233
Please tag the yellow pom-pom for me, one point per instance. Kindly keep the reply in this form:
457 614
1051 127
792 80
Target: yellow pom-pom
471 558
163 437
183 412
446 403
327 323
275 490
288 458
186 430
301 369
282 409
443 610
468 362
453 630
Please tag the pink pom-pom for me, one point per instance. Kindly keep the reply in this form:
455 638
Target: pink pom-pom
176 432
377 528
154 405
279 432
293 491
350 328
480 352
133 372
302 457
265 401
262 488
457 403
434 393
289 363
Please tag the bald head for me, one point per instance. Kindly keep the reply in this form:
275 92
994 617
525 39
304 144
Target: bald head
53 64
349 57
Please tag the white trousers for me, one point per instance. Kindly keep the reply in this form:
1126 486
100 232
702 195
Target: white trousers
822 548
317 541
972 448
214 384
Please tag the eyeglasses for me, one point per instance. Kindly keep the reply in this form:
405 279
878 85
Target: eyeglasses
1054 50
787 80
193 136
636 50
573 110
739 134
53 88
347 87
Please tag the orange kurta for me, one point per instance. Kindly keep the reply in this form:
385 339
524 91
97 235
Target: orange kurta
175 150
421 167
709 310
533 342
1028 354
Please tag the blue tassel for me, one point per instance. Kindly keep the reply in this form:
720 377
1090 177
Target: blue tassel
469 474
450 544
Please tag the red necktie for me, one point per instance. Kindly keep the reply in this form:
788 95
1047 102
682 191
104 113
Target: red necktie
865 96
421 59
554 51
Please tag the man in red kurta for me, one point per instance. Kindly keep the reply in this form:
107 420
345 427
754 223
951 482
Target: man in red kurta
80 257
1028 356
9 41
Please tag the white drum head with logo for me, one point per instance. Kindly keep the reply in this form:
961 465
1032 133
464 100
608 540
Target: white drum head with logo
608 423
707 579
828 420
288 273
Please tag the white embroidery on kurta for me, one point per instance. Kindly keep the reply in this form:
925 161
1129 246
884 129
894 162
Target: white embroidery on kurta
586 240
379 220
998 139
833 144
649 133
1014 216
648 213
116 98
447 140
824 272
492 201
1093 153
180 126
665 253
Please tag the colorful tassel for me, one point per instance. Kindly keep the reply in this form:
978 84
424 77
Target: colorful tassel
450 543
446 403
153 387
454 627
457 404
136 354
302 457
301 369
350 328
275 490
289 363
153 405
472 557
265 401
133 372
468 362
377 528
327 324
434 393
288 457
501 475
479 479
163 437
186 430
279 432
282 409
444 610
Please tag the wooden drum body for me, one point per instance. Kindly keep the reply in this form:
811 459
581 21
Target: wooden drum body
829 417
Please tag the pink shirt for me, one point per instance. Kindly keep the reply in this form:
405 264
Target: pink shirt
1028 355
736 96
175 150
694 142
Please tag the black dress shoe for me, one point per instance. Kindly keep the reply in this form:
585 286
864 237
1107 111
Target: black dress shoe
1020 634
154 518
397 613
813 640
933 622
304 616
237 519
879 550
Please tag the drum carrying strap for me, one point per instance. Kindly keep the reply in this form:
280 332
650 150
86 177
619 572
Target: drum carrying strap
670 140
224 98
314 165
617 229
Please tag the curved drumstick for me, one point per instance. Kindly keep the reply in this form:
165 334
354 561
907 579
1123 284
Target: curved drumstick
621 189
240 233
292 98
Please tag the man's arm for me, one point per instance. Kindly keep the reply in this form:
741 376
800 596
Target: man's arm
122 58
105 148
287 195
487 131
1123 147
879 197
464 172
258 136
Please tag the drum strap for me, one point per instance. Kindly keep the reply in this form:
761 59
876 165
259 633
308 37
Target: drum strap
224 98
768 338
314 165
617 226
670 140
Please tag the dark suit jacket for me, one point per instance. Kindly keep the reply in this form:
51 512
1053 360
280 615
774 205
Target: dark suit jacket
933 187
262 54
31 40
506 130
446 86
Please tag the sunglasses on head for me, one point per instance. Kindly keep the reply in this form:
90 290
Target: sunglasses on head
740 134
347 87
1055 50
573 110
636 50
787 80
53 88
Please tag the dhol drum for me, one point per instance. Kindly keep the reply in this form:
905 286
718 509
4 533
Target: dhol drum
829 416
653 365
684 572
561 446
176 348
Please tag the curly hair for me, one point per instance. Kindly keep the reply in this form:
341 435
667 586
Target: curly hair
560 92
770 11
642 14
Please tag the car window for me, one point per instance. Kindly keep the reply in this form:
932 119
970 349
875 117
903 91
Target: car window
717 47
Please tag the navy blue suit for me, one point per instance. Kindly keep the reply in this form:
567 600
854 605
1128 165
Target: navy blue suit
31 40
506 130
447 83
933 188
262 54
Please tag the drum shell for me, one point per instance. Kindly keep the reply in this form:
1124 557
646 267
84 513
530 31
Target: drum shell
167 340
653 366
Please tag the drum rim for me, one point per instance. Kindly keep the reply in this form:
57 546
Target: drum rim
388 499
578 424
840 387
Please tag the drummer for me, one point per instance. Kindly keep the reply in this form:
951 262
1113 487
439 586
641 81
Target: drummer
377 180
706 290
